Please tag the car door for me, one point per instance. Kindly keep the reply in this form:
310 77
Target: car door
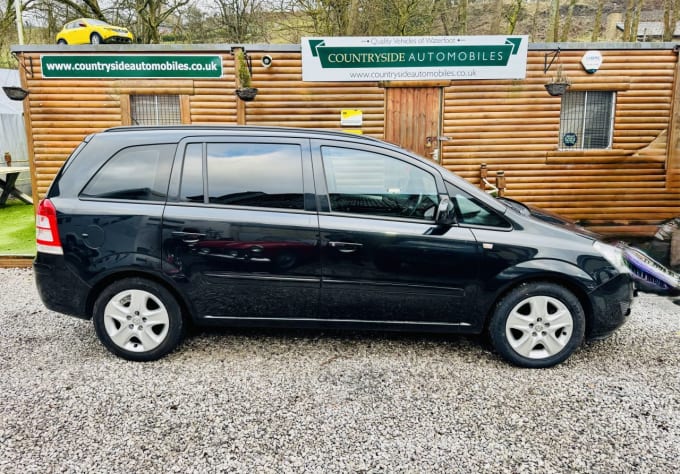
80 33
239 237
384 259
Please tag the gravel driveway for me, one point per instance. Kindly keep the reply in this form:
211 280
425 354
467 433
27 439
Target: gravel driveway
272 401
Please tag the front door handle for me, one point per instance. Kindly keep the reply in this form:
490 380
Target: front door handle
345 247
188 237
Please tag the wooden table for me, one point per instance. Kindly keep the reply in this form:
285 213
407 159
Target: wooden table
7 184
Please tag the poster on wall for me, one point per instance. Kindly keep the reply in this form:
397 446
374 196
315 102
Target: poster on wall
413 58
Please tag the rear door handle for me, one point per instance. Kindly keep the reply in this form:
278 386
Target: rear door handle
188 237
345 247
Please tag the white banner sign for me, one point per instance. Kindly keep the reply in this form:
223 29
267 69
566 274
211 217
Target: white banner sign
414 58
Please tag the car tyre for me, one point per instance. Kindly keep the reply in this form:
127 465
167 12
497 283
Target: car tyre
537 325
62 41
138 319
95 39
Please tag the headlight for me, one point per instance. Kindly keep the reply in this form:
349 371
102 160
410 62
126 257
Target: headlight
613 255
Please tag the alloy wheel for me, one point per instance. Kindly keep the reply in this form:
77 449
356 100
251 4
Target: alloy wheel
539 327
136 320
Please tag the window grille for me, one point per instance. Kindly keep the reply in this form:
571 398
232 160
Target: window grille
586 120
155 110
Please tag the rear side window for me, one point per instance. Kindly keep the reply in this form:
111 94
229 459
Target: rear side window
255 174
138 173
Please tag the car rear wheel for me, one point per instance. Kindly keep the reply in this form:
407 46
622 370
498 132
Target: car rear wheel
95 39
138 319
537 325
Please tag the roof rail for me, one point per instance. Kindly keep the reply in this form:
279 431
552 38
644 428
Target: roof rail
254 128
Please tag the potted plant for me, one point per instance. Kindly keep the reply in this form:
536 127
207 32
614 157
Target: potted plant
559 84
244 92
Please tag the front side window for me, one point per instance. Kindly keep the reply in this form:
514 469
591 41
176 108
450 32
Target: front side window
586 120
139 173
471 211
362 182
255 174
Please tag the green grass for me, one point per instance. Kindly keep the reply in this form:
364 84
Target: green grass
17 229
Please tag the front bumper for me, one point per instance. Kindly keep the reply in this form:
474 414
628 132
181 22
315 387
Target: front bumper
611 306
118 40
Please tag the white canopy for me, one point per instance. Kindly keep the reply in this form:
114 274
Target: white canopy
12 130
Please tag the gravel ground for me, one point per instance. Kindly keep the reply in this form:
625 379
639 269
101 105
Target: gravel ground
272 401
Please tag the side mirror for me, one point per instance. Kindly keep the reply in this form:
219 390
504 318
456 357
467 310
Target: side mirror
445 212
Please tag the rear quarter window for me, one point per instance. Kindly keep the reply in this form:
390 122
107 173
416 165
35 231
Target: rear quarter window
138 173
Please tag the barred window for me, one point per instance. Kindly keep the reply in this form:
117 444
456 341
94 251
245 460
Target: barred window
155 110
586 120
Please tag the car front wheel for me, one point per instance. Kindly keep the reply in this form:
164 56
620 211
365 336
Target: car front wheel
537 325
61 41
95 39
138 319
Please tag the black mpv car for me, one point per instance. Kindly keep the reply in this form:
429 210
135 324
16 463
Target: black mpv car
147 228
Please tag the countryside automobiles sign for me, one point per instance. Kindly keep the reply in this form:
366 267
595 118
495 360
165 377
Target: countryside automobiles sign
414 58
161 66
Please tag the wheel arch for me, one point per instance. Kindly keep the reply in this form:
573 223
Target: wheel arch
579 291
98 287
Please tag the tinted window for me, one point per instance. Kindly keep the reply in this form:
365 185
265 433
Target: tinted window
139 173
255 174
470 210
192 174
362 182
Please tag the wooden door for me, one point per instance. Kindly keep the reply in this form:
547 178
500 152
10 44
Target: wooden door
413 119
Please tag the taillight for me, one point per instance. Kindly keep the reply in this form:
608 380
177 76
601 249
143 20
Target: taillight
46 233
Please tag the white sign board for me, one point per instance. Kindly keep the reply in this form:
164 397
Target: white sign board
414 58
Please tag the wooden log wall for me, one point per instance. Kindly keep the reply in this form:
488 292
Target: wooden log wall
61 112
514 126
283 99
510 125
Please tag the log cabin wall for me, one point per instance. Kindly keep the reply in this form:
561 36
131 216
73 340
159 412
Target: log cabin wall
61 112
284 99
512 126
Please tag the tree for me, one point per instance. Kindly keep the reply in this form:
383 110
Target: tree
513 14
567 23
323 17
84 8
631 19
496 22
462 12
241 21
150 15
554 19
597 25
397 17
671 13
534 21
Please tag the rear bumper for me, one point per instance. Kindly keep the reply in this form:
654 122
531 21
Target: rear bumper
60 289
611 306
